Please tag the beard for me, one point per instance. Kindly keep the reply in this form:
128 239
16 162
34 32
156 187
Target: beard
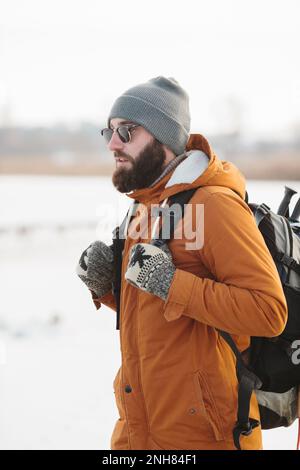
144 170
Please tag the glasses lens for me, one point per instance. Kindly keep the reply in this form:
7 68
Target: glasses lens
107 134
124 134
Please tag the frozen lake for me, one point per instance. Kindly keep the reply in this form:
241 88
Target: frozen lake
58 354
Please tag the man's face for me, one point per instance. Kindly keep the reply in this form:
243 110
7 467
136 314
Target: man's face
138 162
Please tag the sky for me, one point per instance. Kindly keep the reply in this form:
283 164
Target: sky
68 60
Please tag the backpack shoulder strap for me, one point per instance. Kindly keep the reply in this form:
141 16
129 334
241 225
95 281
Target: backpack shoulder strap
248 382
118 246
180 199
119 235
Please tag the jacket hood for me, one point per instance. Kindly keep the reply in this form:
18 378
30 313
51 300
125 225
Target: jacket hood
202 167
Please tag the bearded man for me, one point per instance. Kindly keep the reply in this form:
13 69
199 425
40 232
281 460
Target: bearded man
177 386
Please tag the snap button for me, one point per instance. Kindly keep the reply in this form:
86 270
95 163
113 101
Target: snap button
192 411
128 389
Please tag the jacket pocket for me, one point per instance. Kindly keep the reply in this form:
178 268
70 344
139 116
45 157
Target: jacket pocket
208 405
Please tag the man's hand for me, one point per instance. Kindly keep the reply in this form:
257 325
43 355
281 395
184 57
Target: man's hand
151 269
95 268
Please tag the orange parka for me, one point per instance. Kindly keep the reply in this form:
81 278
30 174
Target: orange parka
177 386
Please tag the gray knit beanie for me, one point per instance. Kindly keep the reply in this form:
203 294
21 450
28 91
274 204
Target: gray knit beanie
161 106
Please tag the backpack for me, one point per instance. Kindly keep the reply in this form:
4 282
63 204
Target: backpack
270 367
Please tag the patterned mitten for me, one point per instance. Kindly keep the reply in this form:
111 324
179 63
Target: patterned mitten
95 268
151 269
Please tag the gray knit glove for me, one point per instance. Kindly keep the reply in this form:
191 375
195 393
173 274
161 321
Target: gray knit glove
95 268
151 269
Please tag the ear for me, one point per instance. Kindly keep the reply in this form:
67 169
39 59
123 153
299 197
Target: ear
170 155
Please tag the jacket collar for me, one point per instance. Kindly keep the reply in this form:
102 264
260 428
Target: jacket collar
201 168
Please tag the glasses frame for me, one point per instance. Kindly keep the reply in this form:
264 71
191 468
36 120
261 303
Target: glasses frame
116 129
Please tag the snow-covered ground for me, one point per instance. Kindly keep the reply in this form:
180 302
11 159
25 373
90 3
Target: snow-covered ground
58 354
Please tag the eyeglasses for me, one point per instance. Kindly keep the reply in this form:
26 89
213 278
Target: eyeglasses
122 131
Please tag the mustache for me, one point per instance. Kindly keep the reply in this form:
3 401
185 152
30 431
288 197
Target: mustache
123 155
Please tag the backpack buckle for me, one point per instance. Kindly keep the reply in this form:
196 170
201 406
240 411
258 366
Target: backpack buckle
288 261
244 429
